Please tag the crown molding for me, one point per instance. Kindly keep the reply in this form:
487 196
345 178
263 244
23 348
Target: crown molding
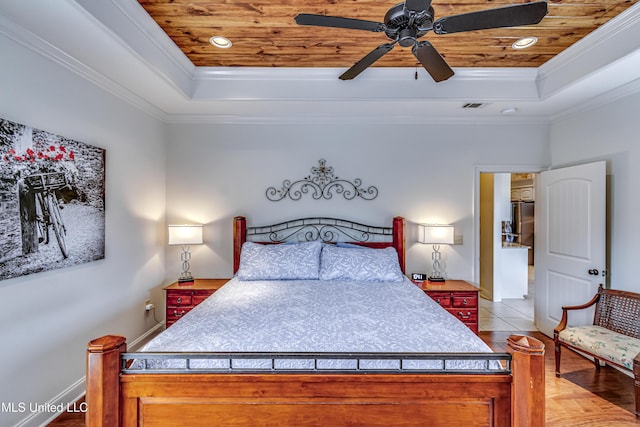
384 74
43 48
138 33
629 89
333 119
612 41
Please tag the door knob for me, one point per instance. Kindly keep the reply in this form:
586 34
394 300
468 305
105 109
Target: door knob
594 272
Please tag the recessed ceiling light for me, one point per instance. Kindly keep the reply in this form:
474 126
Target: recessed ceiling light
221 42
525 42
509 110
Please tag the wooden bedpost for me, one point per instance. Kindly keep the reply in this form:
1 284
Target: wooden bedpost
398 240
103 381
239 237
527 365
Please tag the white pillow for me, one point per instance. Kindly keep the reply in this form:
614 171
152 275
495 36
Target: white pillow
360 264
279 262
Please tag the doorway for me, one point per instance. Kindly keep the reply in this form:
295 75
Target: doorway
504 306
506 253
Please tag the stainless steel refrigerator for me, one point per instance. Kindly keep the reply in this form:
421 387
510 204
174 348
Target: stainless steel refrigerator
523 225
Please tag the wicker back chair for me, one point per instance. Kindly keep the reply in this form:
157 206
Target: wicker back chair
618 312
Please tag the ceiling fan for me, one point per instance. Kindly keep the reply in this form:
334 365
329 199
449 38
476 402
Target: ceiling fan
406 22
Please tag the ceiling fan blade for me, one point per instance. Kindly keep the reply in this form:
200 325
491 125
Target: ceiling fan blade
367 61
417 5
338 22
509 16
432 61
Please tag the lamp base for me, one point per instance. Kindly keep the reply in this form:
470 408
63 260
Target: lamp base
436 279
183 281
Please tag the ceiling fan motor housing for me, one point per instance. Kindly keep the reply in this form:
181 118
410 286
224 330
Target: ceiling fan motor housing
405 26
407 37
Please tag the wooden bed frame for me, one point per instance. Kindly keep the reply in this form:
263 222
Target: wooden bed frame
512 397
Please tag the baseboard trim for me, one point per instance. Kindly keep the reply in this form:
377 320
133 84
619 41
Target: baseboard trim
142 339
66 400
55 406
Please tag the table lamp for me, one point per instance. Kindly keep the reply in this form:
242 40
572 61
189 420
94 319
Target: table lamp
435 234
185 235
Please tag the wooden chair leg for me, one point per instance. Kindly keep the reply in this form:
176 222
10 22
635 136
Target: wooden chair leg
636 383
636 391
557 354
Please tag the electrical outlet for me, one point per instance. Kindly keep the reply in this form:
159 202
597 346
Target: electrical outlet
148 305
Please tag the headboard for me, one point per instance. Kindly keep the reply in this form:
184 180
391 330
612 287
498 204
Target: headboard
328 230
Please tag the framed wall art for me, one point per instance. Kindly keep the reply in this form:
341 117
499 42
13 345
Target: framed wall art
51 201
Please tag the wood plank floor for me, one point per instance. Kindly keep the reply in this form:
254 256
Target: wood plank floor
581 397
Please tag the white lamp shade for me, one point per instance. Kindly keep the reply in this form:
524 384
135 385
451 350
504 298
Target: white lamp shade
436 234
185 235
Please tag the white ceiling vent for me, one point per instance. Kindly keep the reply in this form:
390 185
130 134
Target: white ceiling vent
473 105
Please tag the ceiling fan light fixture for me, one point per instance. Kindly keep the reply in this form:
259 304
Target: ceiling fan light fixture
524 42
221 42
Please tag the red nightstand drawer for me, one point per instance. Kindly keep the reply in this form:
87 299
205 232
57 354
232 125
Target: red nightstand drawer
197 299
466 316
178 300
465 300
442 298
174 314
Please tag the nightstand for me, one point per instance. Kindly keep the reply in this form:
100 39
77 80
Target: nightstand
458 297
180 299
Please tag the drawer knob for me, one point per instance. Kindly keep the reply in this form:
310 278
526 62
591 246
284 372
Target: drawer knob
179 300
464 316
464 301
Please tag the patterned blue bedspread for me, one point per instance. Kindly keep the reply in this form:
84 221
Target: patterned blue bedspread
318 316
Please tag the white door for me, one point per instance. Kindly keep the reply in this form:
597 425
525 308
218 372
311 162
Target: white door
570 242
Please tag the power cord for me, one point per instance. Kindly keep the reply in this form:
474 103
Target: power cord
152 309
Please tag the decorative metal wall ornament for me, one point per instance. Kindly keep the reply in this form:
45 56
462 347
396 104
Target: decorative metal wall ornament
322 184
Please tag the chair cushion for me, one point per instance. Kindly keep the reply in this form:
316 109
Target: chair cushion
608 345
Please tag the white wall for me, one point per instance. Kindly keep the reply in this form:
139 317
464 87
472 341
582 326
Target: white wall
609 133
423 172
48 318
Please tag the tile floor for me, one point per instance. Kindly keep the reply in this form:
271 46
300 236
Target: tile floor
509 314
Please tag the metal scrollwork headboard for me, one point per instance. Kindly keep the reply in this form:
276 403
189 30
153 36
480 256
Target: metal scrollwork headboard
329 230
321 184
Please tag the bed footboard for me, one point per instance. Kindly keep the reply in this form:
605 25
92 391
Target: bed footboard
240 399
103 380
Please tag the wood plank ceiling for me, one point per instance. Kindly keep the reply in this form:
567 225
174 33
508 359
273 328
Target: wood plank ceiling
264 34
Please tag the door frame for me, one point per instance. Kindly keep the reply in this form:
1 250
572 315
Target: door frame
490 168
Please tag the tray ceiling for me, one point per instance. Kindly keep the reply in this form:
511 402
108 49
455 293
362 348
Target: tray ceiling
264 34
